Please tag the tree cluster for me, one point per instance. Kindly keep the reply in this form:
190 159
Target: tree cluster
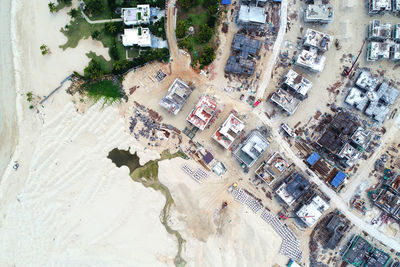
94 6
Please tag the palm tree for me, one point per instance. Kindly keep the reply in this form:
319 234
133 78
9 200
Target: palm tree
52 7
45 49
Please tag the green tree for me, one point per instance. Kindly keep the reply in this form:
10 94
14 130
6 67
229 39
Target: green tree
66 2
95 35
186 4
45 49
94 6
52 7
93 71
74 13
207 56
185 43
111 28
29 96
205 34
120 64
181 28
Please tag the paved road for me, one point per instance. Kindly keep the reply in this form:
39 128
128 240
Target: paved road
170 33
259 111
335 198
275 51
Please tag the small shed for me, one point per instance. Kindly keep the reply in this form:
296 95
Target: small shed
226 2
338 179
313 158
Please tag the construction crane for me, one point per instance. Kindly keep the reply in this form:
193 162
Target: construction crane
347 71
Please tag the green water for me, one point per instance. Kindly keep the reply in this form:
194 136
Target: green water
147 175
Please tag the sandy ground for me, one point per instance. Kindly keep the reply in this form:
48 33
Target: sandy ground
8 117
67 204
233 237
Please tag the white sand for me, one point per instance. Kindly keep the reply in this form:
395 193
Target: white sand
68 204
8 118
244 240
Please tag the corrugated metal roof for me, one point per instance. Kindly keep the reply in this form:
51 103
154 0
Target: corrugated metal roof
338 179
314 157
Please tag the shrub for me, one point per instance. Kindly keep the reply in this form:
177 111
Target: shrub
181 28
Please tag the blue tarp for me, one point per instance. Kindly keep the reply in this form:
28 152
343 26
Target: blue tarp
338 179
314 157
277 1
226 2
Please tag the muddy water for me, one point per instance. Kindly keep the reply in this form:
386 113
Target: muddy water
138 174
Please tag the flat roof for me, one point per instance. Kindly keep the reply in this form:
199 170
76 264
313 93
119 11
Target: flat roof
321 41
319 13
286 101
203 112
366 81
378 50
310 59
361 137
378 30
380 5
250 150
293 189
176 96
297 82
252 14
312 212
356 253
228 131
357 99
136 36
136 15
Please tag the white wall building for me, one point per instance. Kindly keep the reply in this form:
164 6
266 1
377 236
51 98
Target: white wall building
311 60
310 213
136 15
137 36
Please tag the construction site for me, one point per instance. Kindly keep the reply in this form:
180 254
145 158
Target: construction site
340 116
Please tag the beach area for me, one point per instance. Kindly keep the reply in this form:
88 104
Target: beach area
8 117
68 204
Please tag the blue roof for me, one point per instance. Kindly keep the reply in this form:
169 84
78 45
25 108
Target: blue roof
277 1
226 2
314 157
338 179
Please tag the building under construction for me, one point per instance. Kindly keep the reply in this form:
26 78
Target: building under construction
331 230
318 40
312 210
378 6
203 112
273 168
387 197
370 98
285 100
360 252
293 188
379 31
345 138
251 149
319 13
176 96
297 83
311 60
243 55
229 131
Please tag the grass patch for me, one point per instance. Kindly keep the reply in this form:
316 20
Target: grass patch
61 5
105 65
133 52
107 13
104 90
78 29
